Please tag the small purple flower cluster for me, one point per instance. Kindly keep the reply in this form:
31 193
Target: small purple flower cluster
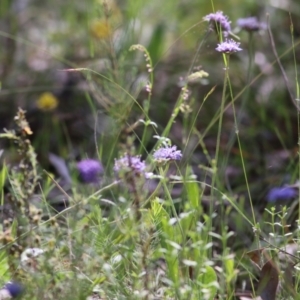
219 21
250 24
281 194
167 153
130 163
11 290
228 47
89 170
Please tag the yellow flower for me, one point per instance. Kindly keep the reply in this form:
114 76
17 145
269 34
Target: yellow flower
47 101
101 29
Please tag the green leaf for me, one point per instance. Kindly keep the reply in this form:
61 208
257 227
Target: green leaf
209 281
4 274
230 271
193 193
3 173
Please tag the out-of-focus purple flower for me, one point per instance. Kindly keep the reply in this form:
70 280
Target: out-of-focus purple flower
167 153
89 170
229 46
281 193
250 24
129 163
11 290
219 20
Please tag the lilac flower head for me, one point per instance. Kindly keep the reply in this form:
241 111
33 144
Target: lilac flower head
14 289
129 163
89 170
250 24
229 46
281 193
167 153
218 19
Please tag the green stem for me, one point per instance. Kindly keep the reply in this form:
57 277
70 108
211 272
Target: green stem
163 173
240 146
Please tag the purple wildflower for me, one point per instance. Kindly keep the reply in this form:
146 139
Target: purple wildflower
229 46
281 193
130 163
250 24
167 153
89 170
219 20
14 289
